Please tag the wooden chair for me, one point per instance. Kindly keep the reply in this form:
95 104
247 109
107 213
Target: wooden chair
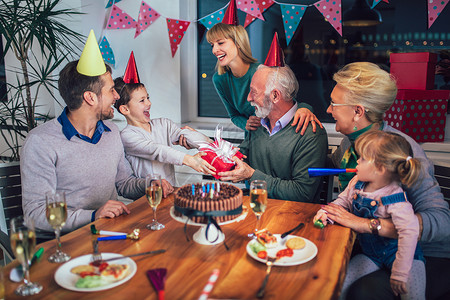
442 174
11 204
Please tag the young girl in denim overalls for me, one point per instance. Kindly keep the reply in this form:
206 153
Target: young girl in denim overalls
385 162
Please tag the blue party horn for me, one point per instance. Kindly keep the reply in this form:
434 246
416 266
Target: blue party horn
112 237
314 172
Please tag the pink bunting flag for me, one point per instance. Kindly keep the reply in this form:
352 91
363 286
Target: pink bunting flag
147 16
292 15
435 8
119 19
250 8
177 29
331 10
263 6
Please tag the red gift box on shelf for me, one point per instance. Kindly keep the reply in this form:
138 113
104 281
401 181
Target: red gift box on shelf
421 114
414 70
220 153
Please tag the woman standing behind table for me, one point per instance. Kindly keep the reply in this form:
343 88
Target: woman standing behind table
235 69
362 94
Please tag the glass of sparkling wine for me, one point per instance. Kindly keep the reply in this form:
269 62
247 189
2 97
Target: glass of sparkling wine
154 195
23 241
56 214
258 201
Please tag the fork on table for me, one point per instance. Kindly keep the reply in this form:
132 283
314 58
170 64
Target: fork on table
269 263
96 256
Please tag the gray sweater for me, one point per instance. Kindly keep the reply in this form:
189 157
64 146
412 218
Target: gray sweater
152 152
426 198
90 174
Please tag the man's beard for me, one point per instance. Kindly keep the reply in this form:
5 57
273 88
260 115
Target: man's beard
262 112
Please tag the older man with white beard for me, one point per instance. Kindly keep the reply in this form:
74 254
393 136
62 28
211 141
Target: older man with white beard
275 152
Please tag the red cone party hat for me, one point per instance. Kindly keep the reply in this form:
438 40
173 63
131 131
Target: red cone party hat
231 14
275 57
131 73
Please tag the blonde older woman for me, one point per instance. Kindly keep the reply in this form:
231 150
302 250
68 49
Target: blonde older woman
235 69
361 96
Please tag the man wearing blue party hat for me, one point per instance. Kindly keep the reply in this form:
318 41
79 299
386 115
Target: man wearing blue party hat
79 152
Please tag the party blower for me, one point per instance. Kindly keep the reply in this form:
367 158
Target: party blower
314 172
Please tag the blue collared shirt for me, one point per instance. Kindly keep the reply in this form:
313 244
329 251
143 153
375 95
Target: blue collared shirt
282 122
70 131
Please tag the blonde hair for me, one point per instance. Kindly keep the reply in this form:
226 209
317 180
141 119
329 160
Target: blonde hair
367 85
239 37
391 151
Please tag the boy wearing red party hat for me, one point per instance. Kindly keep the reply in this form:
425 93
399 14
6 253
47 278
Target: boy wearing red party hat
148 142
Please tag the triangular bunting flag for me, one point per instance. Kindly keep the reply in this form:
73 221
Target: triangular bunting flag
107 52
111 2
147 16
212 19
331 10
263 6
119 19
434 10
250 8
375 2
177 29
292 14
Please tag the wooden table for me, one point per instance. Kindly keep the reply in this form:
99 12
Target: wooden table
189 264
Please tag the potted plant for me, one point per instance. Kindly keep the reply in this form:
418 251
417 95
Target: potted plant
35 32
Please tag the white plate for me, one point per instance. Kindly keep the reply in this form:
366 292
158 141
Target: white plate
300 256
67 279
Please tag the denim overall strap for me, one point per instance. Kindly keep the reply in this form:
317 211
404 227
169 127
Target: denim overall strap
394 198
360 185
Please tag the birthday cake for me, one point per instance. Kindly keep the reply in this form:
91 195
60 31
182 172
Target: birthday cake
195 202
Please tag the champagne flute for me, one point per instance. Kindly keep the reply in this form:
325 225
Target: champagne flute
23 241
56 214
154 195
258 201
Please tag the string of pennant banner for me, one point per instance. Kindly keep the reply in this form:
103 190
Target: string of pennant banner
291 14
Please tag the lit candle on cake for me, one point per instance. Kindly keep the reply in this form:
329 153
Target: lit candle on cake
211 191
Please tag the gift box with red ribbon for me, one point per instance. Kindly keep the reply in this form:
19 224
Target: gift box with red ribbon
220 153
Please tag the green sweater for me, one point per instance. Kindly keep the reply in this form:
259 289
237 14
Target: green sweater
282 160
233 92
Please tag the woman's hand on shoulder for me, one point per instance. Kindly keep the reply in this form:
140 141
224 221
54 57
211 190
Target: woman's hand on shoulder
302 118
253 123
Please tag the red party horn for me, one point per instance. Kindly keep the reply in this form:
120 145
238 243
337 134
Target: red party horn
314 172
